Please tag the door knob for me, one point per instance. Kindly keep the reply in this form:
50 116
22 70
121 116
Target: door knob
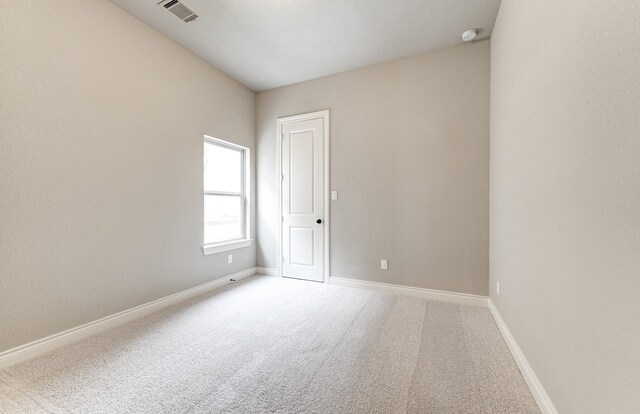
319 221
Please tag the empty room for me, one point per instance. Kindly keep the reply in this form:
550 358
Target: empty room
320 206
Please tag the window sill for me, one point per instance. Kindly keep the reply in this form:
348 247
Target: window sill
226 246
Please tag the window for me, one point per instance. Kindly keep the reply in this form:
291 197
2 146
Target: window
225 196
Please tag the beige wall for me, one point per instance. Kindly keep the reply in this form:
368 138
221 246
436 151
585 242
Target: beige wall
409 157
565 196
101 129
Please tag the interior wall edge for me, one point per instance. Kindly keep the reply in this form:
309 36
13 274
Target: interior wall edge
537 389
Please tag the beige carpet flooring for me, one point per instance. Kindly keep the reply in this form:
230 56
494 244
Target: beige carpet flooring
268 345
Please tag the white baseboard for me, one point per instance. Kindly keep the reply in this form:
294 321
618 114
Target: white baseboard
452 297
266 271
540 395
41 346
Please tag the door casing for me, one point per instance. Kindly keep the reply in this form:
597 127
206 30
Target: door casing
324 115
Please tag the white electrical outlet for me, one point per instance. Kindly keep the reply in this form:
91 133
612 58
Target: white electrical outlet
229 258
334 195
498 287
384 265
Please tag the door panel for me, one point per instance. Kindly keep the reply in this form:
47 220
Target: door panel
301 246
303 199
301 172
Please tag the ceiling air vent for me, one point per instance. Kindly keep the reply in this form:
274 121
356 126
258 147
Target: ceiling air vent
184 12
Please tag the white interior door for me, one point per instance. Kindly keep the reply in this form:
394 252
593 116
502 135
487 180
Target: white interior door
303 215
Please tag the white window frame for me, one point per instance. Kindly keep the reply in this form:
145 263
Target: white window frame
245 240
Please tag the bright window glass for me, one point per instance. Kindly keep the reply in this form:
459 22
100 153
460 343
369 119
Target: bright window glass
222 168
224 192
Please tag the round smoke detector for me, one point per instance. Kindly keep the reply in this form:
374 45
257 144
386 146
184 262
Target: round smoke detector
469 35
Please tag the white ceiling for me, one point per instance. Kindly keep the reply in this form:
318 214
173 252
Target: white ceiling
269 43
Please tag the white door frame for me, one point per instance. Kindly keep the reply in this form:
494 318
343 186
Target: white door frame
324 115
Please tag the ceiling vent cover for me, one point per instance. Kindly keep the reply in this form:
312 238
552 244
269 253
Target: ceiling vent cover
184 12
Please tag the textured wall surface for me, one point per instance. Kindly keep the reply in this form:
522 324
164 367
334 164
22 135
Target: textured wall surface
409 157
565 195
101 125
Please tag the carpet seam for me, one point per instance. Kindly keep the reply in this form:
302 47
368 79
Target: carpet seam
205 396
20 393
338 342
415 368
473 362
